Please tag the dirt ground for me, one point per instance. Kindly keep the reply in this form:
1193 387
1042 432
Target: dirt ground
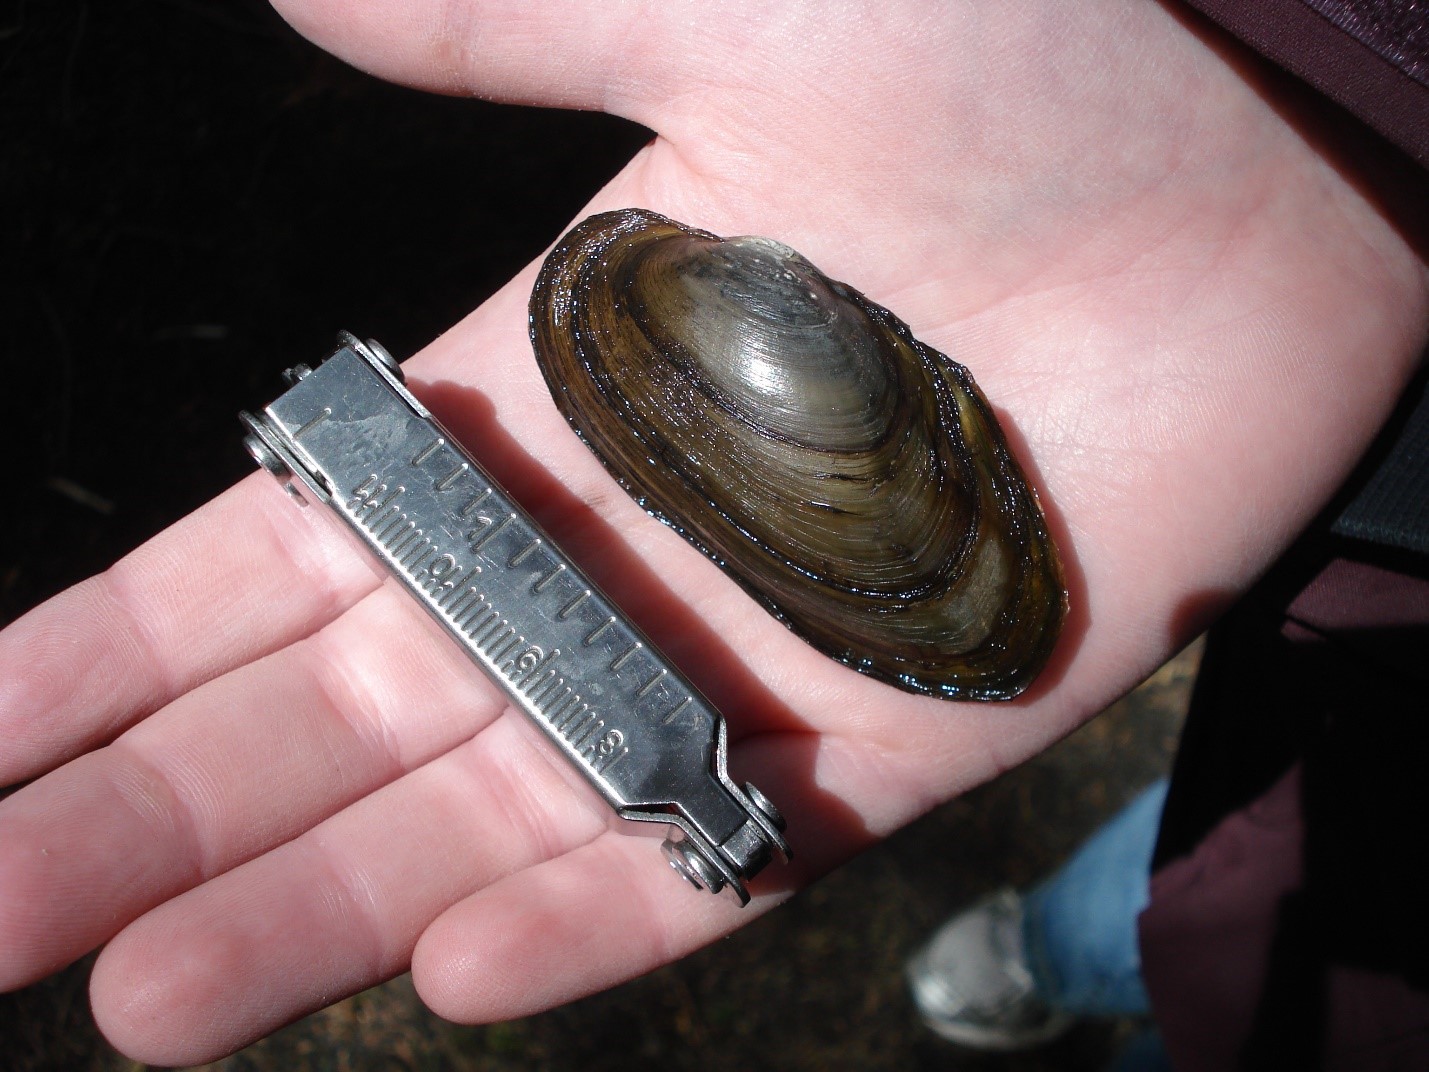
197 198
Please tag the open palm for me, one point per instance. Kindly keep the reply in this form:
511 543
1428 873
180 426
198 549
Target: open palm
1190 322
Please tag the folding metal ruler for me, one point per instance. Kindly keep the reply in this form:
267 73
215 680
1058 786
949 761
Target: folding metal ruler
348 434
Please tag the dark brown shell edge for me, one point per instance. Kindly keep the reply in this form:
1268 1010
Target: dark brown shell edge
1035 607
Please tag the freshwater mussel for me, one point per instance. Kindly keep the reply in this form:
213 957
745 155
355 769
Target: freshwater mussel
850 478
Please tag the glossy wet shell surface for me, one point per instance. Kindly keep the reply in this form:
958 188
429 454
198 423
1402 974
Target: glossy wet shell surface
851 479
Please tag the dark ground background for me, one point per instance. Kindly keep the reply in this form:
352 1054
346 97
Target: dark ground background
192 198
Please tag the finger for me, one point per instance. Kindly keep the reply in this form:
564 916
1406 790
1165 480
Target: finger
611 910
597 916
239 578
231 582
590 55
338 909
242 764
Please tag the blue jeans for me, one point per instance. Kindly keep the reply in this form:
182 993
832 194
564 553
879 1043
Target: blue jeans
1080 924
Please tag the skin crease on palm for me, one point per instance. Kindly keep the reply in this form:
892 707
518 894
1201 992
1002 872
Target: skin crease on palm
1191 322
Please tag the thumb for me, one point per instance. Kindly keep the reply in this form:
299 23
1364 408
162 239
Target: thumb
611 56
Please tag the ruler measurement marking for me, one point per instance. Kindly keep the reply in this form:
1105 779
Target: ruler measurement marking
478 614
491 623
468 594
675 711
323 415
445 600
499 653
363 494
574 711
625 656
556 711
423 549
477 618
490 629
470 508
444 588
521 668
380 509
501 641
576 723
595 725
537 693
397 489
582 717
427 452
414 547
570 608
559 705
382 513
407 542
644 689
556 571
385 525
451 478
498 638
546 688
561 708
474 612
490 533
395 543
378 514
594 634
570 708
525 552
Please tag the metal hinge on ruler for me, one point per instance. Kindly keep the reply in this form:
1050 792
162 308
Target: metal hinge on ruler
349 435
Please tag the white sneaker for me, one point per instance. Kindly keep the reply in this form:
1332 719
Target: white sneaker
972 983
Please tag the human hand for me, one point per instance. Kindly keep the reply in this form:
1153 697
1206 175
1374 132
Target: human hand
1189 319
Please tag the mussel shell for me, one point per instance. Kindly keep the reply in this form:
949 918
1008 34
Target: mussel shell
851 479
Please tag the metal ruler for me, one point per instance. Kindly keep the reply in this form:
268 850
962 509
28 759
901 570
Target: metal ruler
349 435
